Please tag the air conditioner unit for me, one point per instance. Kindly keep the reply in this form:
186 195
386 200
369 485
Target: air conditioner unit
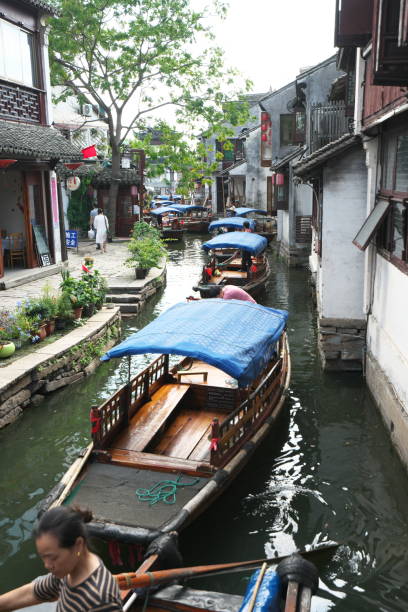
87 110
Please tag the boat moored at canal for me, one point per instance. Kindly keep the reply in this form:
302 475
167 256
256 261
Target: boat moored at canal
195 218
264 225
171 440
236 258
167 219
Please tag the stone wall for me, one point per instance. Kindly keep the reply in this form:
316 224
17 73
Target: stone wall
294 256
26 381
341 343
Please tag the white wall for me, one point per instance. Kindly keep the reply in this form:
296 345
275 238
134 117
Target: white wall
387 333
11 208
341 275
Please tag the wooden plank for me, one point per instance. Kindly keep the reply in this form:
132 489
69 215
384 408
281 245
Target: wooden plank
216 377
291 597
150 417
160 463
188 434
201 452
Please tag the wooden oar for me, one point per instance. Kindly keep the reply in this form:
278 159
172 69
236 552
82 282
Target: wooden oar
257 587
137 580
147 563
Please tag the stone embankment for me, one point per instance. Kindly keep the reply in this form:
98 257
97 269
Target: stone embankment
26 381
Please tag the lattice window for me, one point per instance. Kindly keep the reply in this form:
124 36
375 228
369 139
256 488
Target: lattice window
19 103
304 228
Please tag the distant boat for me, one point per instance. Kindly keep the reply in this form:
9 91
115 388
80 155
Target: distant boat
171 440
227 265
264 225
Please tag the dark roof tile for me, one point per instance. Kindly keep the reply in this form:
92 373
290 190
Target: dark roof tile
35 141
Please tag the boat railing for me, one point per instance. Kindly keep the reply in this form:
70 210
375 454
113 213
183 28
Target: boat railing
115 413
239 425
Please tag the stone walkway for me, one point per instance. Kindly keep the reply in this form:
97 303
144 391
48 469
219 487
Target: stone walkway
110 265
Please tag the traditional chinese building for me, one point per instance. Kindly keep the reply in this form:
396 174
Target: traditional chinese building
30 211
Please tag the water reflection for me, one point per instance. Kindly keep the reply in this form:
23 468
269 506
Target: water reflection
327 472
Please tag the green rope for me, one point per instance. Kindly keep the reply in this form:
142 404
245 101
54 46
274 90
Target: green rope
164 491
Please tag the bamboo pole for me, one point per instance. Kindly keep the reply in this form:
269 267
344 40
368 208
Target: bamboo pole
257 587
70 475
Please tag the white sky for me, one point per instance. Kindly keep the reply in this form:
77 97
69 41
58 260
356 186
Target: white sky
269 40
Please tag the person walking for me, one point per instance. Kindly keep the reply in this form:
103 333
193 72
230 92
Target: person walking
92 216
77 578
101 225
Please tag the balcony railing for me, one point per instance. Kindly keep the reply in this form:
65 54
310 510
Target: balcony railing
20 103
328 122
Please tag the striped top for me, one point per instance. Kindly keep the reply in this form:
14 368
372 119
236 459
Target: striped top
98 592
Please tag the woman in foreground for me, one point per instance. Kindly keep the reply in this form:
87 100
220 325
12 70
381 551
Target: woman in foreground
78 579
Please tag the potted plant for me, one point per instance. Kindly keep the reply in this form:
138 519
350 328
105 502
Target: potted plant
64 310
7 347
49 303
145 253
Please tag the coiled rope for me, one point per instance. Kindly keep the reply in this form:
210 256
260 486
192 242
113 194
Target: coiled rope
163 491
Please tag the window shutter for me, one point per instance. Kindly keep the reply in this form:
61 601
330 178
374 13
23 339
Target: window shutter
390 60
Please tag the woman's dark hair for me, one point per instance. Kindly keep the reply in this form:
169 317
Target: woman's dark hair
100 211
246 224
212 292
65 523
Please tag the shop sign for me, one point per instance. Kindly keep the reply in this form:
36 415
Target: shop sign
73 183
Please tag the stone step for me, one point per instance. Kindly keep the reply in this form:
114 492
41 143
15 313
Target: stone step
120 289
128 308
121 298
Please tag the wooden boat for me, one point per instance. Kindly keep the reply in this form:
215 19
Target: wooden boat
226 262
194 218
167 218
264 225
201 419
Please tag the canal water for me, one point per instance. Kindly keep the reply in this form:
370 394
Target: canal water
327 472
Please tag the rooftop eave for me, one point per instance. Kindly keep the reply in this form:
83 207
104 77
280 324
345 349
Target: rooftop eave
308 165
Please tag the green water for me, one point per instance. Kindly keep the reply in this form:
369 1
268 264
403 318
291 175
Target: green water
328 471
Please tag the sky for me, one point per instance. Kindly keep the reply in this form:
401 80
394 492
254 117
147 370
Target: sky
270 40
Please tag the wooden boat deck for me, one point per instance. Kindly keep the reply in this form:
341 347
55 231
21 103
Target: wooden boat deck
215 376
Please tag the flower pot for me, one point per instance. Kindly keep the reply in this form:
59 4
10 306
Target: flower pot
60 323
141 273
50 327
7 349
42 331
77 312
88 310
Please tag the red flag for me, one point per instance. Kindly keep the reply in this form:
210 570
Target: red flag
89 152
85 269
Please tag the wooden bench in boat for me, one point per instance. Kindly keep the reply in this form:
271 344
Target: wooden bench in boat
150 417
160 463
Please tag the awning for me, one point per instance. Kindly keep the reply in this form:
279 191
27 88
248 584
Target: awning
188 207
164 210
309 164
24 141
234 222
235 336
242 211
281 163
126 177
371 224
252 243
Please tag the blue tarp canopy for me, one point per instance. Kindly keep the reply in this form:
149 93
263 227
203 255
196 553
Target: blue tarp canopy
188 207
161 197
241 212
166 203
165 210
253 243
234 222
177 197
235 336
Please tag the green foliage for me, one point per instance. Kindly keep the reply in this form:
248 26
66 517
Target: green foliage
158 52
80 205
146 247
89 289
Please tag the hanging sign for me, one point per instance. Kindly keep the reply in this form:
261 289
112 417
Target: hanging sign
73 183
71 238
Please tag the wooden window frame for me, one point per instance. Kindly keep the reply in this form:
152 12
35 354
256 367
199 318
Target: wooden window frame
385 238
390 57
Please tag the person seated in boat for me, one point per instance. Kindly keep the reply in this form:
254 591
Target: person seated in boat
78 579
247 227
226 292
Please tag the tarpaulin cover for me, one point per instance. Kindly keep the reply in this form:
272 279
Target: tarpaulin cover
163 210
235 336
253 243
188 207
166 203
235 222
242 211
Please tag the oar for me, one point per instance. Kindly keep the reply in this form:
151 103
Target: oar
136 580
147 563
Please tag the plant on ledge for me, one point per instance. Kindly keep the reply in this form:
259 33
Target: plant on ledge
146 248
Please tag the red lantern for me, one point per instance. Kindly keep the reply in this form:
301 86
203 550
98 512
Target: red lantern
264 137
5 163
264 127
264 116
280 179
74 166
